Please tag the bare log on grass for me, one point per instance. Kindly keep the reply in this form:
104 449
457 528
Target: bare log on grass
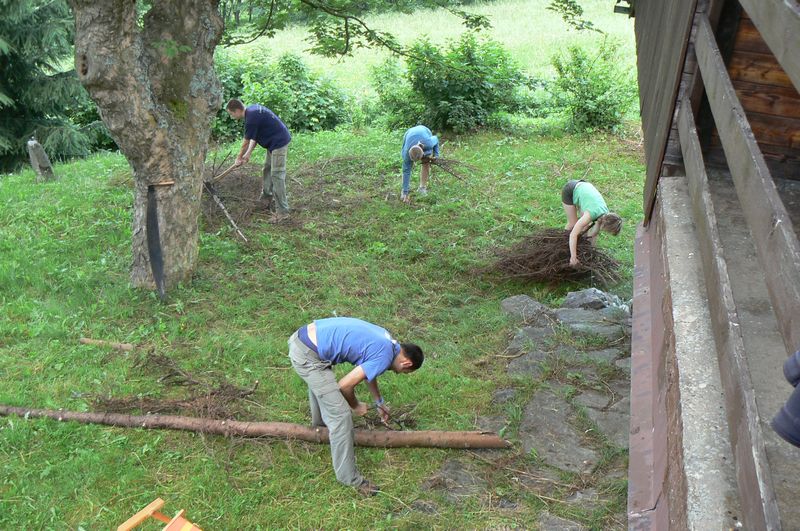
544 257
103 343
284 430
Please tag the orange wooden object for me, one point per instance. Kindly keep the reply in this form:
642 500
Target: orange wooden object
179 523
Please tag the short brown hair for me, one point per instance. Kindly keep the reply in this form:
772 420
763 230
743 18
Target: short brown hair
611 223
235 105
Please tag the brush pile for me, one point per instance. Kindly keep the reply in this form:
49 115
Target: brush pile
544 257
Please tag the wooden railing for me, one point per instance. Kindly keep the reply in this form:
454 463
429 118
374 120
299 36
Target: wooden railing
771 228
753 477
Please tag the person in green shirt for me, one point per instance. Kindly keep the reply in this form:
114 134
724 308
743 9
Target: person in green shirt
587 212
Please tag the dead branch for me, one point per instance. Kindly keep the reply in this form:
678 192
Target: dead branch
103 343
284 430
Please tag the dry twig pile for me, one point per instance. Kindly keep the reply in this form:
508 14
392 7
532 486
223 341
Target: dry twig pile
544 257
451 166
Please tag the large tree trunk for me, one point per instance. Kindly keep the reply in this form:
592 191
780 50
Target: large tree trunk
156 90
285 430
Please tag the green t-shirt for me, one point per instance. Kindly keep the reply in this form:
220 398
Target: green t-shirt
588 199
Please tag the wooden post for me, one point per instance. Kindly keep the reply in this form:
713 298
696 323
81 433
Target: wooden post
40 161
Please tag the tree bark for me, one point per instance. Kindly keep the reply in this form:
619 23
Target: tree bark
156 90
285 430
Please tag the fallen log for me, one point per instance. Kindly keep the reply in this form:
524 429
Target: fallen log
284 430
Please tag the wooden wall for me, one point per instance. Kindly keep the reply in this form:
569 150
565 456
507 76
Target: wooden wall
770 100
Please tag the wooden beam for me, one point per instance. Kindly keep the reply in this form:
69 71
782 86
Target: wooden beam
776 243
754 481
778 21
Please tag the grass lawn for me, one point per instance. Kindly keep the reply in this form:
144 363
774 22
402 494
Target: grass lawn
526 28
64 257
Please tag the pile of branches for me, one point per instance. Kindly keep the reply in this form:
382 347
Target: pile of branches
453 167
544 257
219 400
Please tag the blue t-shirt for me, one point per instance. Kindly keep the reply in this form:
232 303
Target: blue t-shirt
264 126
430 146
363 344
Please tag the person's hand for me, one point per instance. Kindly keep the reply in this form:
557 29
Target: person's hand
238 162
360 409
246 158
573 261
383 411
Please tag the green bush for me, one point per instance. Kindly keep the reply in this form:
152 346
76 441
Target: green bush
398 103
593 88
303 100
83 114
463 86
231 71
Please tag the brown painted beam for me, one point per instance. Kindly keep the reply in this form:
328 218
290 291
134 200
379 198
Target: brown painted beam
775 240
778 22
754 481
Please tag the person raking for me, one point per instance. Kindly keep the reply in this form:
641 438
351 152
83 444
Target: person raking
315 348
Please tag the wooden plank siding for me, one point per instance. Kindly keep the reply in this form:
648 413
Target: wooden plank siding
778 22
776 243
660 59
756 494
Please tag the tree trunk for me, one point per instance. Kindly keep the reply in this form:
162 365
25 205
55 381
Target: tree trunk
156 90
285 430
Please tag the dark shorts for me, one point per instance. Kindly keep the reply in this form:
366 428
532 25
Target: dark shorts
566 192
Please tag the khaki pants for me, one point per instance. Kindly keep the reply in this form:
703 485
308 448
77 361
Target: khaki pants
328 408
275 178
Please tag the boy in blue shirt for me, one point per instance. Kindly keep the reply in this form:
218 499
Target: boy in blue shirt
417 143
315 348
263 127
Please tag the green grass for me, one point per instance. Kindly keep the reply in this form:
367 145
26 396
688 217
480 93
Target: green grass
531 33
65 252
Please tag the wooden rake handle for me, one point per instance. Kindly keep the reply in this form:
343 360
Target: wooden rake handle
224 173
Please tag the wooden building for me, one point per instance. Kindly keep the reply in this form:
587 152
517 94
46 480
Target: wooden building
717 274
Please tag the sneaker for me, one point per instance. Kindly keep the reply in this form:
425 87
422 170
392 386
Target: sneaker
404 197
422 190
278 217
787 422
791 369
368 489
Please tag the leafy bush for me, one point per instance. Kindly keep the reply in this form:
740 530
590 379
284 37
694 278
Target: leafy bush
83 114
303 100
231 71
593 89
462 87
399 104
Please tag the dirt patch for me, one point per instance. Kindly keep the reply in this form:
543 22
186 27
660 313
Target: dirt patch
311 188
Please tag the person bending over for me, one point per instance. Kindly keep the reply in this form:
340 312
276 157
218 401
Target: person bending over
586 212
263 127
315 348
418 142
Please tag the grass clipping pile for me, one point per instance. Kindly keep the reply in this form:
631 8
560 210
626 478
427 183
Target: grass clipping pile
544 257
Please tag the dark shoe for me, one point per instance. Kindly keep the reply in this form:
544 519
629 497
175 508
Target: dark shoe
368 489
787 422
791 368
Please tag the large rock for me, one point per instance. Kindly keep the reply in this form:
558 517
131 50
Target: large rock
530 338
456 480
588 499
501 396
590 323
613 420
550 522
588 299
545 428
607 355
527 310
529 364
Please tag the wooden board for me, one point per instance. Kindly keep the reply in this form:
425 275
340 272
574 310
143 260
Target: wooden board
758 68
660 59
776 243
777 101
758 499
778 22
748 39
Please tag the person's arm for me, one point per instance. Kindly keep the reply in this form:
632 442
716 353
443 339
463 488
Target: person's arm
383 409
347 386
577 230
572 215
